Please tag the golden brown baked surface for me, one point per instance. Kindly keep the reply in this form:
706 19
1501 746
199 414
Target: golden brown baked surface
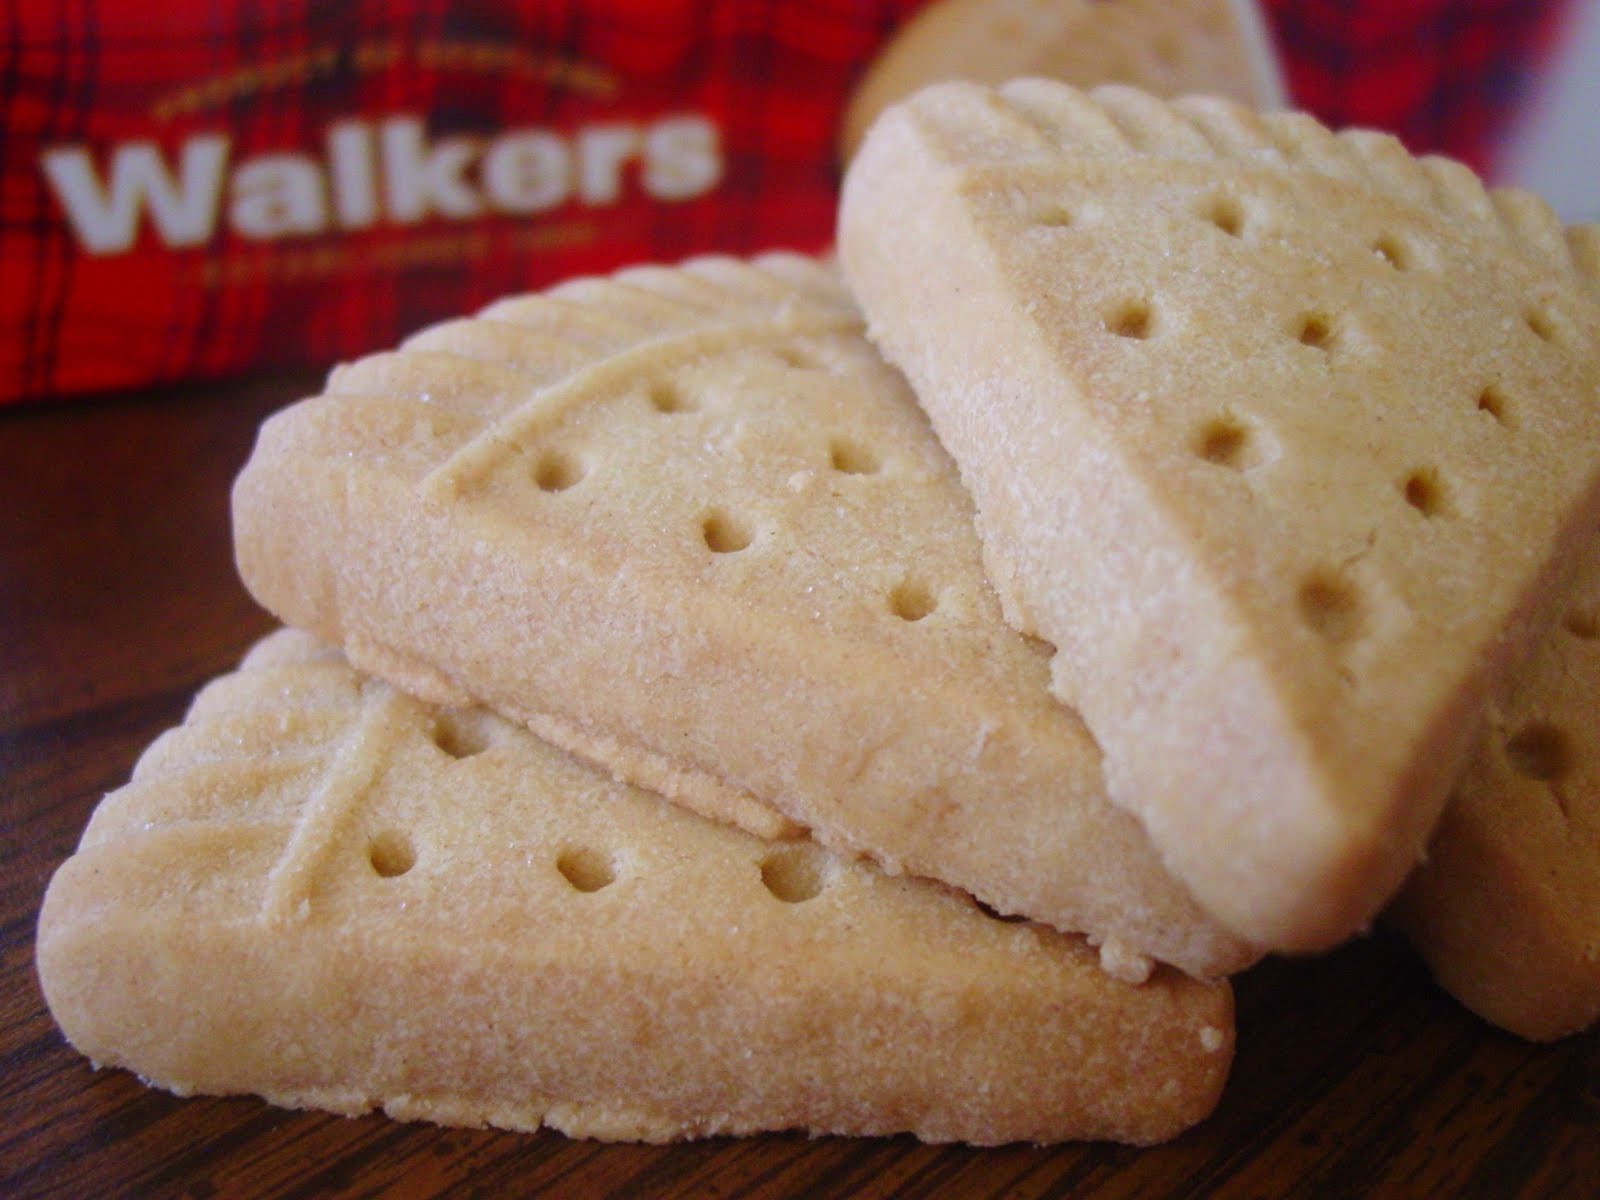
1506 908
322 891
1283 437
1167 47
686 523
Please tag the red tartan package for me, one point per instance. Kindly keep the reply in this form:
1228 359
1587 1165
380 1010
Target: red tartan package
1510 87
198 187
202 187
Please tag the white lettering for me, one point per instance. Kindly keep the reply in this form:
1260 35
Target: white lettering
389 171
277 195
353 173
682 158
602 152
527 172
423 179
106 219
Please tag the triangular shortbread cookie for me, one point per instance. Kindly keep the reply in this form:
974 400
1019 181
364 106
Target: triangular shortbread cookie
687 524
1283 437
1506 909
1167 47
324 892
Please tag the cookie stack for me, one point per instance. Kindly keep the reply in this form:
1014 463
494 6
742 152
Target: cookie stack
1235 523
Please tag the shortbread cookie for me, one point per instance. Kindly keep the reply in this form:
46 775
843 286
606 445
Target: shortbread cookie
687 524
1282 437
324 892
1506 909
1167 47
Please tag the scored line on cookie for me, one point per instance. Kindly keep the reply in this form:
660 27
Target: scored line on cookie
346 784
506 436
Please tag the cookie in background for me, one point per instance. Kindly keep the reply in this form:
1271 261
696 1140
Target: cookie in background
1166 47
1506 907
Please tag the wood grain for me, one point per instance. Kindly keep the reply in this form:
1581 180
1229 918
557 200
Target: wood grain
1355 1075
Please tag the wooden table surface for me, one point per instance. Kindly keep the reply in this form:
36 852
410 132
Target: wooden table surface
1354 1075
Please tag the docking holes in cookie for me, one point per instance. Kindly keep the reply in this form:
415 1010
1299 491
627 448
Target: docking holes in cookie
725 533
1543 324
1424 491
585 869
912 600
556 471
461 734
1133 319
1226 213
1230 442
1540 751
1053 216
1492 401
798 359
794 874
1315 330
666 397
1583 623
1391 251
391 853
852 458
1330 607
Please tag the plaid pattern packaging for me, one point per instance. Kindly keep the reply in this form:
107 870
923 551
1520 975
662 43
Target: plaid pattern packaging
196 187
1445 75
200 187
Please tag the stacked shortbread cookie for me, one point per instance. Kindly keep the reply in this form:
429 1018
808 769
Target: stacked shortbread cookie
1288 442
1285 440
326 892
